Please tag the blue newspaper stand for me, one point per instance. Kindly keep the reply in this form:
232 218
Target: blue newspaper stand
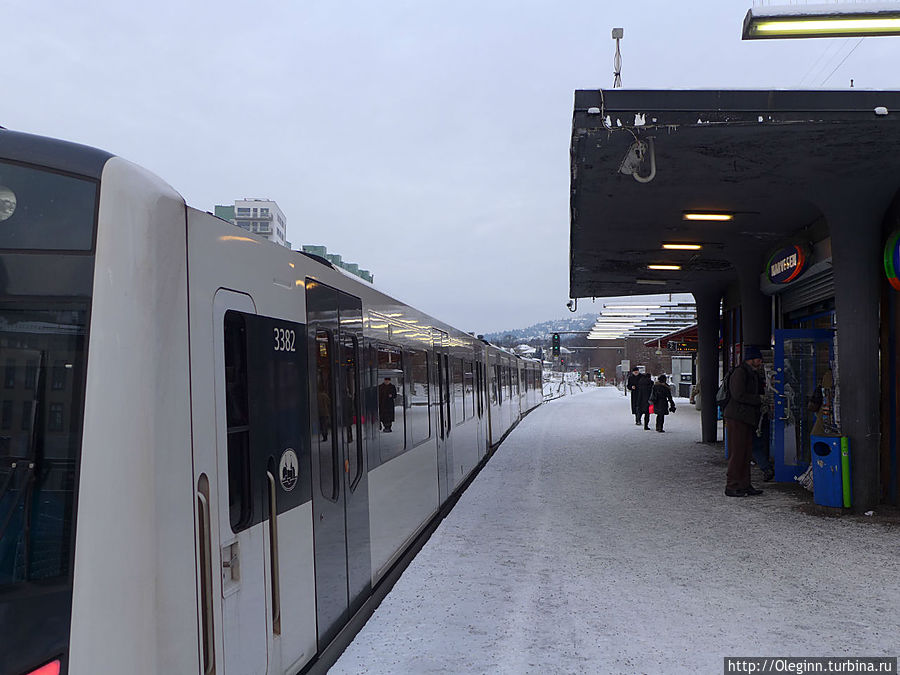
828 487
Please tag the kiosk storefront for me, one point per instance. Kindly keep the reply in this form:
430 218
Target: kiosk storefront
803 377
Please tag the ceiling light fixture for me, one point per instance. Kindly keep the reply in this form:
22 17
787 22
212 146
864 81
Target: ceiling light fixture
682 247
835 20
651 282
707 215
663 267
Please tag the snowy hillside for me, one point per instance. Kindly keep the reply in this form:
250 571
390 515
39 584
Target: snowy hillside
541 332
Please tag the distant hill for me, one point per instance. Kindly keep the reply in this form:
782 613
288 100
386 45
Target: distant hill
540 333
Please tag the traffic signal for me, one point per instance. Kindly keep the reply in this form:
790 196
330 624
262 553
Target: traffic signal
562 362
555 344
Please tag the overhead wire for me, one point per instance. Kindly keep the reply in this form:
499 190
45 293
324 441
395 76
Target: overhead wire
815 65
858 43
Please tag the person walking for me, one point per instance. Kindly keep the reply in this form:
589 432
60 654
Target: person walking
663 404
387 394
631 386
741 418
643 388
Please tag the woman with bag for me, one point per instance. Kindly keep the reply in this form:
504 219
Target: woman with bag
661 398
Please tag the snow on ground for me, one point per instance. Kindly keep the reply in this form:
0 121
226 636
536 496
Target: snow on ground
588 545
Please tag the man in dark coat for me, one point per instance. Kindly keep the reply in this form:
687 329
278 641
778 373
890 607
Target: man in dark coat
631 385
741 417
642 390
387 394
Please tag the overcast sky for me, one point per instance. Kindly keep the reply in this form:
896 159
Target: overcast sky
426 141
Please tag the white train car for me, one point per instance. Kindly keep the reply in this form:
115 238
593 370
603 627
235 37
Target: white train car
216 454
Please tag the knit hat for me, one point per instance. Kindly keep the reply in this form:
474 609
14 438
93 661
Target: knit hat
751 352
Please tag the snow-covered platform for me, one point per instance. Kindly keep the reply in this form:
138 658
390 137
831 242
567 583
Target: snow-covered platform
588 545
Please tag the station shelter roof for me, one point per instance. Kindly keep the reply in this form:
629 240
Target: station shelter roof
642 159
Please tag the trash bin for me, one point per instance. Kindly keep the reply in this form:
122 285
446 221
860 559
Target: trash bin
828 486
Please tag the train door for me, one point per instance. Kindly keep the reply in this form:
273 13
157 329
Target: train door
521 387
441 342
242 543
477 404
339 467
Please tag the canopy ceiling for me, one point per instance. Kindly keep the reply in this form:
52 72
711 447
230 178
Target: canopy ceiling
772 158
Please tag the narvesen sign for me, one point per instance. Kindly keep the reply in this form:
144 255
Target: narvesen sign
786 265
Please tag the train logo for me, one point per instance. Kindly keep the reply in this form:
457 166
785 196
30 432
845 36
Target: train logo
287 469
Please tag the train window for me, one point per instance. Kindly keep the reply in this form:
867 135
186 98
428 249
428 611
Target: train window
391 398
44 210
417 417
447 393
479 388
37 463
328 465
350 405
469 389
237 413
496 387
457 391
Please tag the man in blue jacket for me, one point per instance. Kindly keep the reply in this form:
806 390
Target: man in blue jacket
741 417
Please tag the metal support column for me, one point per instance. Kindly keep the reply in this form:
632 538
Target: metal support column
856 246
708 302
756 308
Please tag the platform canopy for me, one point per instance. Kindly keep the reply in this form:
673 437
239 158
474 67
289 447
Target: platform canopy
765 162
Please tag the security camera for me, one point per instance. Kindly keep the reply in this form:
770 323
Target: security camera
570 304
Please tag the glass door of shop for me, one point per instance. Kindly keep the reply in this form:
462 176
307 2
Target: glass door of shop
803 360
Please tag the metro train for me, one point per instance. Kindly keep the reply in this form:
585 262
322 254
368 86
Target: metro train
195 470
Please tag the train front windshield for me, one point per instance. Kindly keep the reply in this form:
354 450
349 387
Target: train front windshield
46 262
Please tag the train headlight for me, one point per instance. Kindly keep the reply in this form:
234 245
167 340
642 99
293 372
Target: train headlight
7 203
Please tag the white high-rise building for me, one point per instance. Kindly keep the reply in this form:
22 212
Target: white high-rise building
260 216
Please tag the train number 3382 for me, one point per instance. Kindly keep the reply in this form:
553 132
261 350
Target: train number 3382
284 340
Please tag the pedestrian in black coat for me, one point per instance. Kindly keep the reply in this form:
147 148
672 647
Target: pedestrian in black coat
631 386
387 394
741 418
663 404
643 388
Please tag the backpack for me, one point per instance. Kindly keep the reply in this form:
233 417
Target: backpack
723 396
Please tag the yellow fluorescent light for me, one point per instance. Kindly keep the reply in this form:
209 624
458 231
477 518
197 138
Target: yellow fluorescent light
825 27
682 247
663 267
695 215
